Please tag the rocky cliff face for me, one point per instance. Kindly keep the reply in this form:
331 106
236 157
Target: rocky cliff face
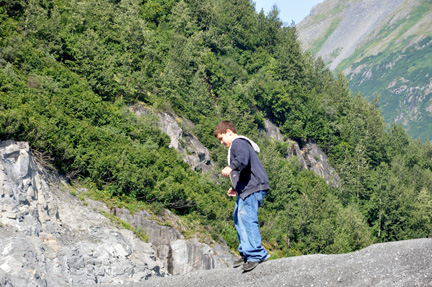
48 237
194 153
384 47
311 157
178 254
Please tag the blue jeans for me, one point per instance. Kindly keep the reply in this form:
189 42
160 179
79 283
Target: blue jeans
246 223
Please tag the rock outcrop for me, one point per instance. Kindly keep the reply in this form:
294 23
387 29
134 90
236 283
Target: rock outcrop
193 151
272 132
311 157
49 237
396 264
178 254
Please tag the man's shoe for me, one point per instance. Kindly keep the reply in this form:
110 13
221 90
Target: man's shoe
248 266
239 262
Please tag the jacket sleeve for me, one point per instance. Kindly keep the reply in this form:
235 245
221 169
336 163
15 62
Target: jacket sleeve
239 155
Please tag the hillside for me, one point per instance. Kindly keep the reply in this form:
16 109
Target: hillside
122 97
384 48
53 234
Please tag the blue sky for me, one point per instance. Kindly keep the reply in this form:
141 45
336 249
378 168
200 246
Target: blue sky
289 10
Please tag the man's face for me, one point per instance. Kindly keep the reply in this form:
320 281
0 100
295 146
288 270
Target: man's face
226 138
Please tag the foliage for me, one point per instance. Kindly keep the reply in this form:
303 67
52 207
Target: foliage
70 69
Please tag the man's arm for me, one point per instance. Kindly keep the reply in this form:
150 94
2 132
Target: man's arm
240 155
240 152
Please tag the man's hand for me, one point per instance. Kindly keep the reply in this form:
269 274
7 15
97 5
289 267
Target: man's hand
226 171
231 192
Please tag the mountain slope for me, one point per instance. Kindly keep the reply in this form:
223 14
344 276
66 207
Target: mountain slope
384 48
70 71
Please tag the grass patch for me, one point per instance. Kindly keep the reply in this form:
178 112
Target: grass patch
189 226
126 225
111 201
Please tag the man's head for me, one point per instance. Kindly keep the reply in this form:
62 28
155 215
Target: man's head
225 132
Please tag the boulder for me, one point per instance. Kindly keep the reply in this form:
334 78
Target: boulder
396 264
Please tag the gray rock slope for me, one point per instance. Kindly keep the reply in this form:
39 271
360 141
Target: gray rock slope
49 237
396 264
348 34
178 129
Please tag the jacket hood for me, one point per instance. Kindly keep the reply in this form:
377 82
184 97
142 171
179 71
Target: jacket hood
252 143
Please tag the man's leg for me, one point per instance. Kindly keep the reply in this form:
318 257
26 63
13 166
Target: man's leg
241 260
248 228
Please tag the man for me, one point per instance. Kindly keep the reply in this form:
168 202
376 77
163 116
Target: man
250 184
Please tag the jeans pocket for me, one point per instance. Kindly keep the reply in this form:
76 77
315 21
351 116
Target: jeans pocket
260 195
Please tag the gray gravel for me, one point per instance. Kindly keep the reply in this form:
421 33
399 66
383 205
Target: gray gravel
403 263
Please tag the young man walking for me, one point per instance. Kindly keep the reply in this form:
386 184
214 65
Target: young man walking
250 184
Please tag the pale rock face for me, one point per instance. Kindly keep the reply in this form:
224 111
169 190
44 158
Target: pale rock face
311 157
193 151
49 237
272 131
179 255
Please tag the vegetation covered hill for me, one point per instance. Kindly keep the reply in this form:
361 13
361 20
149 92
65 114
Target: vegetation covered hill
385 50
69 69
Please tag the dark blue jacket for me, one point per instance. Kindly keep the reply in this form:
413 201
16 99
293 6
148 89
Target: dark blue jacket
248 174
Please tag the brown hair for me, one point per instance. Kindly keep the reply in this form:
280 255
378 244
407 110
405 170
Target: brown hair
223 126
